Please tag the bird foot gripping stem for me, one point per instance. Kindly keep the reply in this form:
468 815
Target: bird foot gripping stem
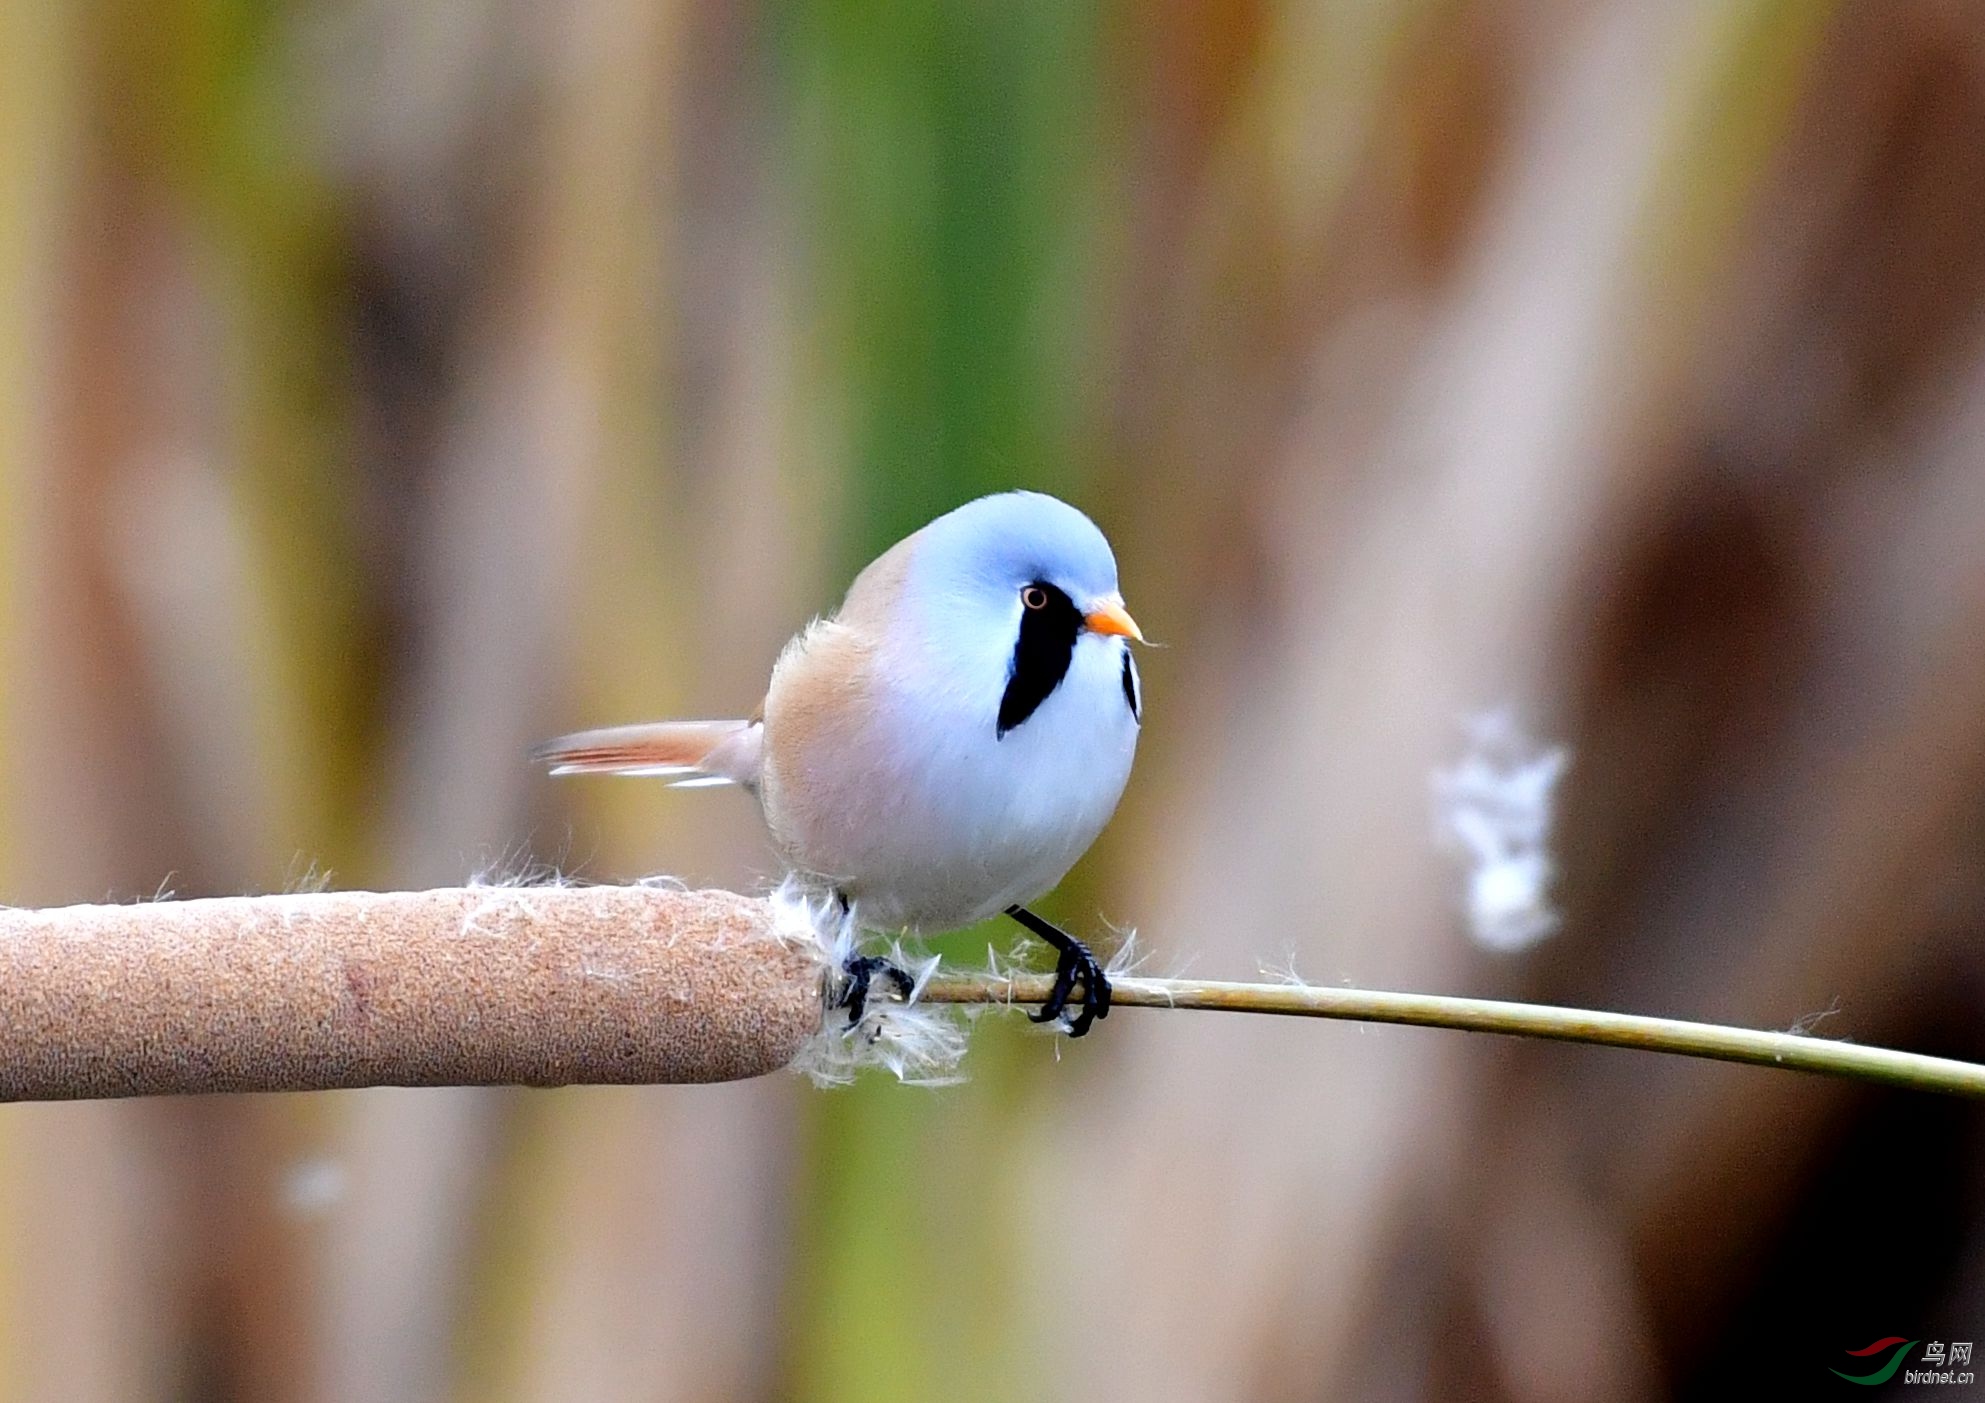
1074 965
859 972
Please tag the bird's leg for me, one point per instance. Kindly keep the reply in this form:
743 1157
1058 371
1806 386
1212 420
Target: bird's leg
860 971
1073 965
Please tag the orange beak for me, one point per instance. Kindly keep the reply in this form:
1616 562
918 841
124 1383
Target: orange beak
1107 616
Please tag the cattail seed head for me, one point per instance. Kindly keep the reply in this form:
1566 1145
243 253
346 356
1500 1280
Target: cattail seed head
538 986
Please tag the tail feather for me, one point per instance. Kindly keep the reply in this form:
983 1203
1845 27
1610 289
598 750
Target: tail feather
701 752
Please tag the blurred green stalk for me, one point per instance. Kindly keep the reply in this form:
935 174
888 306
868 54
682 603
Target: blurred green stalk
943 155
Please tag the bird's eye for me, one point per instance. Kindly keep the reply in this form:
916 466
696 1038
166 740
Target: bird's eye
1034 597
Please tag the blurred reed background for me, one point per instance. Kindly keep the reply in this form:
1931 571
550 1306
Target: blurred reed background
384 386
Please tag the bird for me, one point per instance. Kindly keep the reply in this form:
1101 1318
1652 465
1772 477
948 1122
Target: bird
945 745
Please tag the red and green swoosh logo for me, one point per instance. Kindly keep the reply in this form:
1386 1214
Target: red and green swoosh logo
1887 1371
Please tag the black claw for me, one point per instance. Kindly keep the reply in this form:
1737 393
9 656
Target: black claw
861 971
1073 965
1057 1001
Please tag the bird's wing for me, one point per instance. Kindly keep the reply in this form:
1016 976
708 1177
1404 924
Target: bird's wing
872 600
694 753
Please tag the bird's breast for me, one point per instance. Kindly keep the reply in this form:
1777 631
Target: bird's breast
903 791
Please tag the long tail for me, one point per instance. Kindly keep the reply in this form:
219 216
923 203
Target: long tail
699 752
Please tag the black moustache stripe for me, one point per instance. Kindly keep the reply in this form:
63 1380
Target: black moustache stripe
1041 657
1130 687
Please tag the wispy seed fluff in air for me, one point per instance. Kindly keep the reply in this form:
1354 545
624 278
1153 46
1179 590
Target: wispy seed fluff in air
1493 809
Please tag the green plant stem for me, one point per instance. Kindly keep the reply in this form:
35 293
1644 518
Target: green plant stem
1792 1051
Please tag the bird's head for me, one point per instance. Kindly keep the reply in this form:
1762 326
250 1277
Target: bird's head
1010 587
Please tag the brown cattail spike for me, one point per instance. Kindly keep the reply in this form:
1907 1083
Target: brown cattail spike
538 986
